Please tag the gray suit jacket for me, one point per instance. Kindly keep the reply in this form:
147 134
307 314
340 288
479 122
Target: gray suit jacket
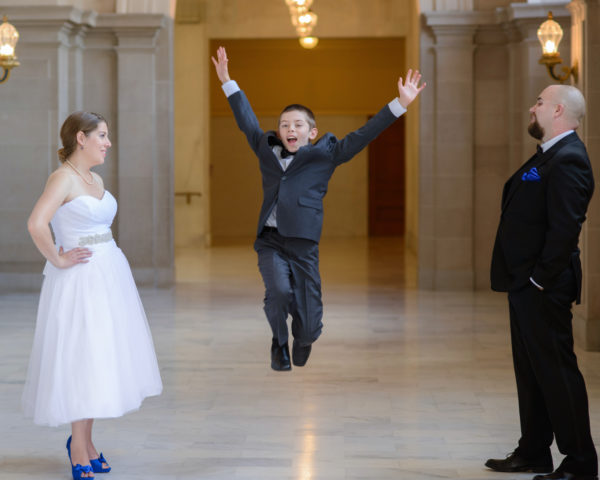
298 191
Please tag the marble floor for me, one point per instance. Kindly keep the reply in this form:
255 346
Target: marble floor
403 383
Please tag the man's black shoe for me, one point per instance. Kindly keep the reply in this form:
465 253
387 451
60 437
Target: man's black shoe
300 354
565 476
280 356
515 462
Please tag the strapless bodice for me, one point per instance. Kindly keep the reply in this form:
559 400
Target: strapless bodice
84 221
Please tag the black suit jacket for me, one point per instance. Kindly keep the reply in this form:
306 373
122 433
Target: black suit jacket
541 218
299 190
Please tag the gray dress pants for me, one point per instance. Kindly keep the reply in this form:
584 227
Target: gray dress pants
290 270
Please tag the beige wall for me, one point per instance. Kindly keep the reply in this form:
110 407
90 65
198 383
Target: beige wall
343 81
117 65
497 53
192 219
337 18
165 7
99 6
57 75
474 131
236 193
350 20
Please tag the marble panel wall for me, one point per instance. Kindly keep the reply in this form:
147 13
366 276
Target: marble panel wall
507 79
474 132
119 66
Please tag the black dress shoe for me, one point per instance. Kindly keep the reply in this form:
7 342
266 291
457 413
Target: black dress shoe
515 462
300 354
280 356
565 476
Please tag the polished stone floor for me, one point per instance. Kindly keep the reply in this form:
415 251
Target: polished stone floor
403 384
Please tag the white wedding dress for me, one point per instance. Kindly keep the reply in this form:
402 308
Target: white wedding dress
92 355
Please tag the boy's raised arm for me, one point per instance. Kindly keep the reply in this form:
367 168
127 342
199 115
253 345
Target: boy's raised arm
409 90
354 142
242 111
221 65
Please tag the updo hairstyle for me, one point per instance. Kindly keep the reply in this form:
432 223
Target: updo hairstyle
85 122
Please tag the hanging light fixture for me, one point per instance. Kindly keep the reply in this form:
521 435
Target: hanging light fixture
9 36
295 4
550 34
308 42
304 20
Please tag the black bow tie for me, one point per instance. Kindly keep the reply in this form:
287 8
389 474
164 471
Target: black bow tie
286 153
539 149
273 141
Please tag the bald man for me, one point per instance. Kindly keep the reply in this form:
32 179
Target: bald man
536 260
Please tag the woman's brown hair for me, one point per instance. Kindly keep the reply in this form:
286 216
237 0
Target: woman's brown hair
85 122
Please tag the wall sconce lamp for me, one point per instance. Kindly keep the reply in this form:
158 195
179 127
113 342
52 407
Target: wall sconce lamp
550 35
304 20
8 41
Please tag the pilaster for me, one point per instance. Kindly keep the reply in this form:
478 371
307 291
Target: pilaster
144 176
119 66
446 250
35 100
585 29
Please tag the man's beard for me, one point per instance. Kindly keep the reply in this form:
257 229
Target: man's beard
536 130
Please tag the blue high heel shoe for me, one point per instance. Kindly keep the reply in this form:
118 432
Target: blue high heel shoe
78 470
96 463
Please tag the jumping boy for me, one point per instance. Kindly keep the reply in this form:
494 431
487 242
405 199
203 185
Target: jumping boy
295 174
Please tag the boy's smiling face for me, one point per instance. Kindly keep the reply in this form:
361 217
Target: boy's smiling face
295 130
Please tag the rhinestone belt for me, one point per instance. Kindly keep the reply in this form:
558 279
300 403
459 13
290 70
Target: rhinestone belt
94 239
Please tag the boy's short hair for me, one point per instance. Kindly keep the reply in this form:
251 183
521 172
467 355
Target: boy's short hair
301 108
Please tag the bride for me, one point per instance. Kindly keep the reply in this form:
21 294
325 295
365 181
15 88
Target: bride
92 355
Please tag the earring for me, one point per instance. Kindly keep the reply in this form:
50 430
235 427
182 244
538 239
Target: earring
81 147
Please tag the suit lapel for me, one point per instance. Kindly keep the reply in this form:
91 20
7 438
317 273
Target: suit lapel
515 181
272 140
537 161
299 158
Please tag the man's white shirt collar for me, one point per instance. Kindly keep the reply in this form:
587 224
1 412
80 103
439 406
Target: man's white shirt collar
546 145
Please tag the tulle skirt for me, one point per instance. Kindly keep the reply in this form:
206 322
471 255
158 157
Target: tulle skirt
92 354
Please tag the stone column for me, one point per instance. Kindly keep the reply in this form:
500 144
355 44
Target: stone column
527 77
35 100
584 48
446 191
144 149
491 145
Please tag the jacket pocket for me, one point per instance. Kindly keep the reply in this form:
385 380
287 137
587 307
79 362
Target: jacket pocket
310 202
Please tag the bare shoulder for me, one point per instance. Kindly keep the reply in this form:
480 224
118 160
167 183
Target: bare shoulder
60 179
57 190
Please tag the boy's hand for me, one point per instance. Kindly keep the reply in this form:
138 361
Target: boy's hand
408 91
221 65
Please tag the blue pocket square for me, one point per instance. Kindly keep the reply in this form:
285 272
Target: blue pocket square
531 176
